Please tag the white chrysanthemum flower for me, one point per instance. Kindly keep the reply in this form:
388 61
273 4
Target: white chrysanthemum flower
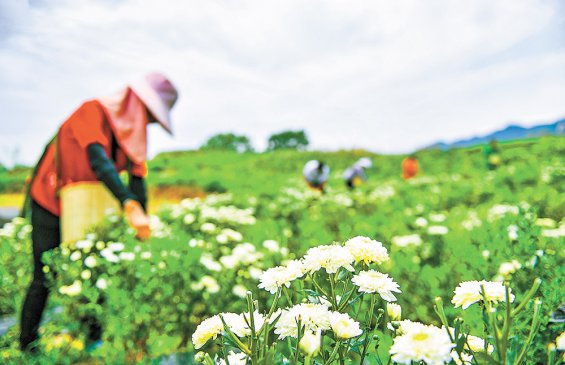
500 210
229 261
222 238
472 221
239 291
477 344
310 342
146 255
101 284
90 261
437 217
276 277
367 250
189 219
402 327
271 245
196 243
209 329
207 260
75 256
210 284
421 222
422 343
343 326
84 245
312 317
560 342
127 256
512 232
394 311
85 274
372 281
554 233
208 227
109 255
408 240
437 230
246 253
546 222
116 246
100 245
71 290
234 358
329 257
255 272
238 323
509 268
469 292
232 235
465 359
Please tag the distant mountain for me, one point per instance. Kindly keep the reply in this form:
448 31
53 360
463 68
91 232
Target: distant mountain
512 132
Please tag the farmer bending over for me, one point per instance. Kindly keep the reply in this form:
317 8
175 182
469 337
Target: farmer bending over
316 174
102 138
355 175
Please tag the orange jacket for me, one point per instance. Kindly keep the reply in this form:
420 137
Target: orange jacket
87 125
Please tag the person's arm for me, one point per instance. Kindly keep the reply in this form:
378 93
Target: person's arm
106 172
137 187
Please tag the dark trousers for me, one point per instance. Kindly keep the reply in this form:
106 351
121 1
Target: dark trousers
46 235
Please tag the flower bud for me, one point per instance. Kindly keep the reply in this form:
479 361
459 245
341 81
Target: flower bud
394 311
310 343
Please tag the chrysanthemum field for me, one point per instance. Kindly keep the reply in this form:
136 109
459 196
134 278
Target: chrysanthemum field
460 265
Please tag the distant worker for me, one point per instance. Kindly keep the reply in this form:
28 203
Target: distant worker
355 175
492 154
410 167
316 174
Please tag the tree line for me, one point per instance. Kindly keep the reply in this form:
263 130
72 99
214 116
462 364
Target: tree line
295 140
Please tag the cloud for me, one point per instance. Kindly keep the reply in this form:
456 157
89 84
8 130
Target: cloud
389 76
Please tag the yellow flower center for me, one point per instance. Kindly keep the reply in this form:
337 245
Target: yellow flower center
420 336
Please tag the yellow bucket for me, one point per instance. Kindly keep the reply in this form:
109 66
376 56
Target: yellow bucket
357 181
84 205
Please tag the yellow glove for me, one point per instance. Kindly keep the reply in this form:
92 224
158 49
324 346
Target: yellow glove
137 219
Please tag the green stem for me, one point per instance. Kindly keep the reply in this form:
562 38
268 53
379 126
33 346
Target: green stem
234 338
272 310
508 320
365 346
318 287
298 336
332 287
345 301
368 329
536 319
359 308
287 295
531 293
438 307
251 308
496 333
334 352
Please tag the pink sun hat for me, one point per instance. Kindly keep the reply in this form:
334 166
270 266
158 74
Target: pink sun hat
159 95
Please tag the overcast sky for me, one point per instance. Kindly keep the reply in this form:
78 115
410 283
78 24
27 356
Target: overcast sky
388 76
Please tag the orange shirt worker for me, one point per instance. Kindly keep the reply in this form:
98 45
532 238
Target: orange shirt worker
102 138
410 167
